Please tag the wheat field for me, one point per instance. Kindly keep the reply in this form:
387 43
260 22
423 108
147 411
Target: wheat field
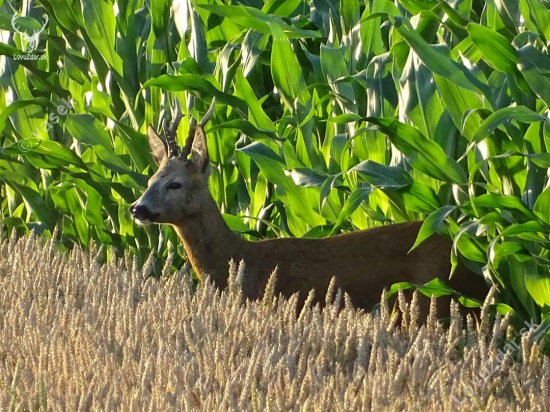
79 336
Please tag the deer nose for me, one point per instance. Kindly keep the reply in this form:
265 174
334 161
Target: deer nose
141 212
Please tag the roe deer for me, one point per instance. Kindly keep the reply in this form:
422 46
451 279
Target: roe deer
363 262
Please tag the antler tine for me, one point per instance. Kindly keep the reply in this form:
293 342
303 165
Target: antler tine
189 142
13 24
170 132
209 113
46 19
192 128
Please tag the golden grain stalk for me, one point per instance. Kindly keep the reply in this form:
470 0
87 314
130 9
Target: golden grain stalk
79 336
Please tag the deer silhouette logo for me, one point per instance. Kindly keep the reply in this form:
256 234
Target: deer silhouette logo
32 41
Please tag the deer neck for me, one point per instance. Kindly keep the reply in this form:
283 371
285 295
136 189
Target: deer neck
209 243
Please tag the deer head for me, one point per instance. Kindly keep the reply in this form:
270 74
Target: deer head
178 188
32 41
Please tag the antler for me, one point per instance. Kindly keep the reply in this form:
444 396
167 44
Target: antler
170 132
192 129
13 19
45 22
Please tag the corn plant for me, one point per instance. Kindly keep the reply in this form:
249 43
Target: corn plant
333 116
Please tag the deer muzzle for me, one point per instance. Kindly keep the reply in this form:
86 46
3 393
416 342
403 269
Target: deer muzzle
142 213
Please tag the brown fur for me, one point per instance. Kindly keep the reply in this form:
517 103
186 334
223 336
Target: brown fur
363 262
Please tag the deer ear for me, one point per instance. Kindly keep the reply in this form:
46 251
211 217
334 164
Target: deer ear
157 145
199 151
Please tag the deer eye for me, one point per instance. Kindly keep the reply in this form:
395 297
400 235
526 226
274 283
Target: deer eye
174 186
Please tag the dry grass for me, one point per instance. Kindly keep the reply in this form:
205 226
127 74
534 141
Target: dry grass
75 335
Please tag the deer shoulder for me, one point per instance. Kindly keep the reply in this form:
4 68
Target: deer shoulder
362 262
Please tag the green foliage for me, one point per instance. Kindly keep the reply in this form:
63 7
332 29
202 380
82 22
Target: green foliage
333 116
